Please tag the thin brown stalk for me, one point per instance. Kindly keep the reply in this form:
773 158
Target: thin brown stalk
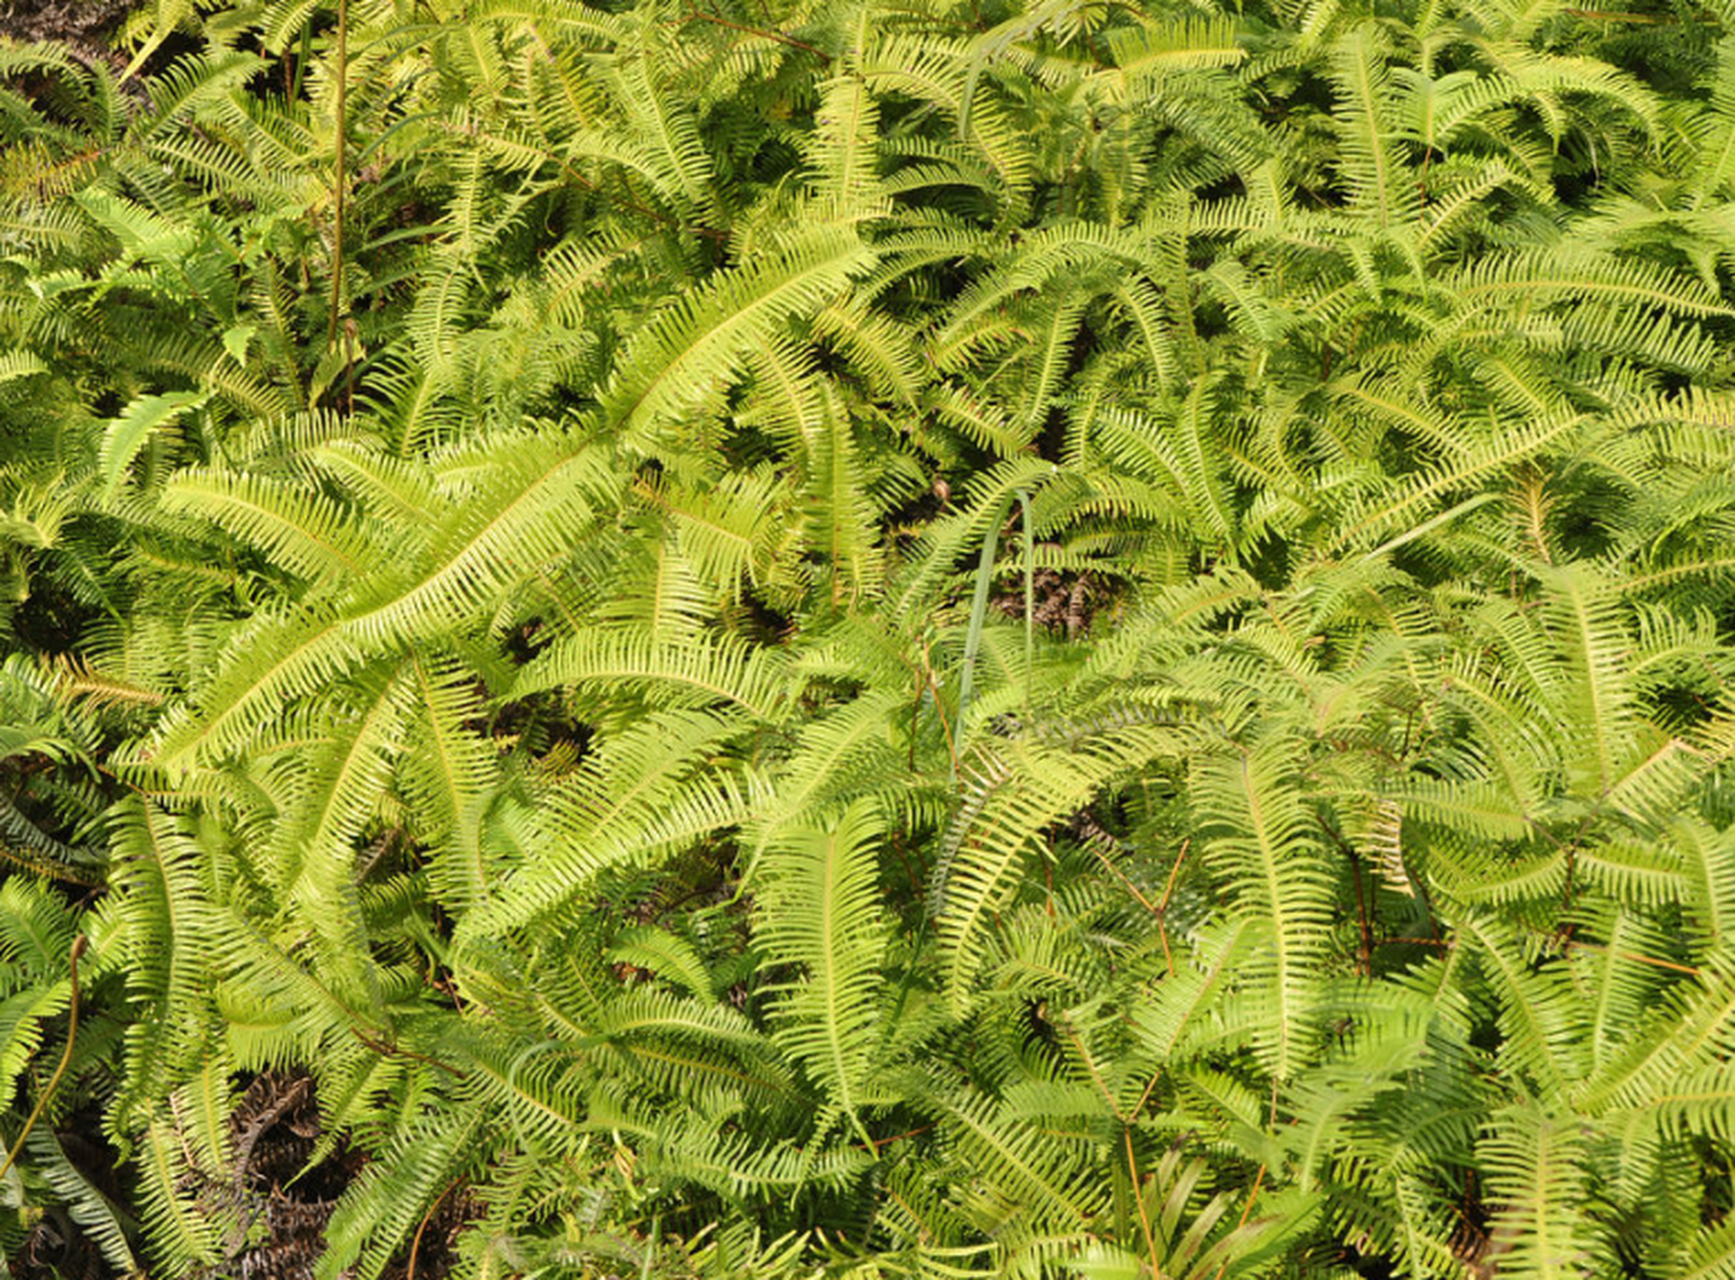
1163 906
416 1244
1246 1210
396 1051
1139 1199
1635 957
341 178
78 945
693 15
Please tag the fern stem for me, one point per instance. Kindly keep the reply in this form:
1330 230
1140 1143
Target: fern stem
1150 1088
78 945
1163 906
1139 1200
1633 957
1246 1209
341 178
397 1051
1361 908
1029 604
1122 876
49 869
694 15
880 1143
416 1244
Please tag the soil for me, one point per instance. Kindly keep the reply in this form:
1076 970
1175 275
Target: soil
282 1205
275 1129
85 26
1062 602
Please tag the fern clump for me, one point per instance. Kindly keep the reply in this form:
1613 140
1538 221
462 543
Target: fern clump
861 639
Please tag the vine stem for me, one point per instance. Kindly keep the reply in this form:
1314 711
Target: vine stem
78 945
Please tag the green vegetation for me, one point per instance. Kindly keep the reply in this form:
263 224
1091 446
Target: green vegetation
886 639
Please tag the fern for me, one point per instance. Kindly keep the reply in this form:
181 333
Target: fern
1039 639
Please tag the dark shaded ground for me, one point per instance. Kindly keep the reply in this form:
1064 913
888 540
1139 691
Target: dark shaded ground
280 1205
56 1249
282 1211
84 25
276 1130
1063 603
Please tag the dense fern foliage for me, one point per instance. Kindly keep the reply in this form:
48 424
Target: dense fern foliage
890 638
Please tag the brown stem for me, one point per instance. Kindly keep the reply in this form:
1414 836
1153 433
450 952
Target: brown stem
1633 956
694 15
909 869
1163 906
78 945
899 1137
1245 1211
940 709
416 1244
1169 888
1139 1199
1132 888
1361 904
341 179
1145 1097
396 1051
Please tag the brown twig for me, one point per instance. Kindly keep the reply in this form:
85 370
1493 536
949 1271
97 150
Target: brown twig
1365 961
1094 844
940 709
1169 886
694 15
